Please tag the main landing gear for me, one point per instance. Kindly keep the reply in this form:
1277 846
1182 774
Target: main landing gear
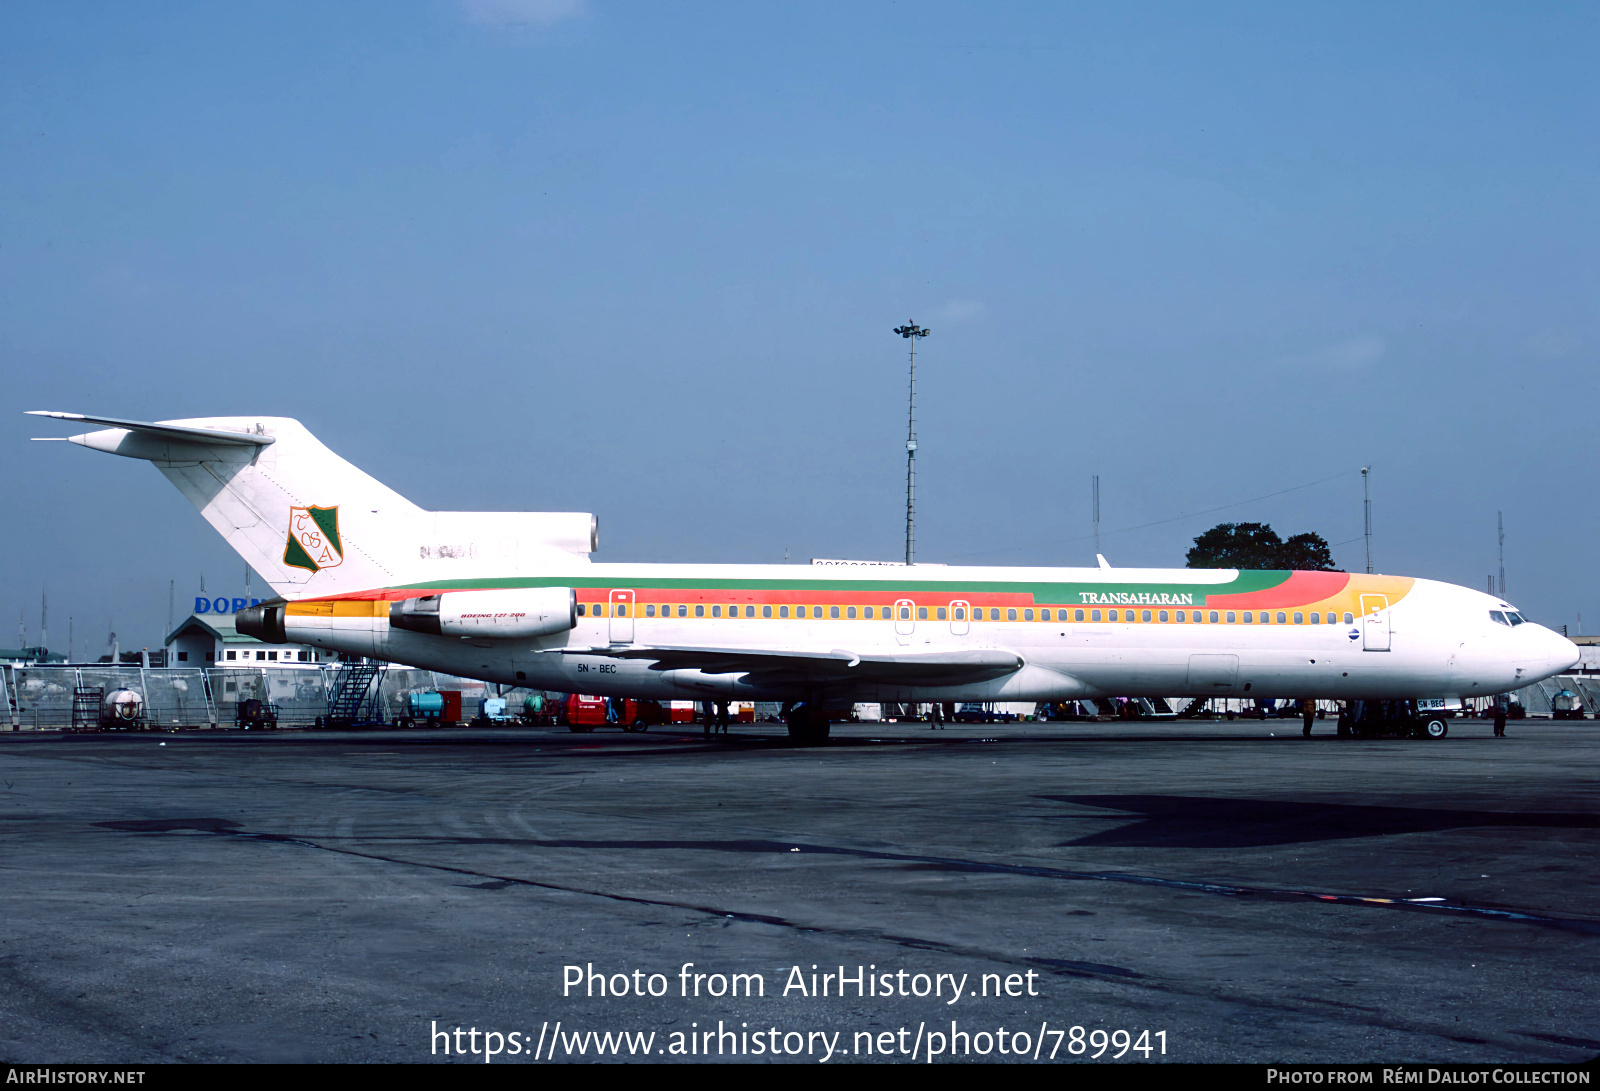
808 723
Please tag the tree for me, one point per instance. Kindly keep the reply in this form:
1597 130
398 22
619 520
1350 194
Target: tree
1257 546
1308 553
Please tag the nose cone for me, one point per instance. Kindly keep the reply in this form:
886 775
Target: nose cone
1547 655
1564 654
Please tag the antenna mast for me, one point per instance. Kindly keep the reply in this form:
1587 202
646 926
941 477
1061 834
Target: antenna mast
1500 519
1366 509
1095 490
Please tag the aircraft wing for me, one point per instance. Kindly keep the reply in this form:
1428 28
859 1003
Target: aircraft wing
951 667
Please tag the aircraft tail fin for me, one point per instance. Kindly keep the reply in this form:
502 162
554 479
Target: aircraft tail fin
314 524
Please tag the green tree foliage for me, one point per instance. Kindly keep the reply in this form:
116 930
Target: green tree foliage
1257 546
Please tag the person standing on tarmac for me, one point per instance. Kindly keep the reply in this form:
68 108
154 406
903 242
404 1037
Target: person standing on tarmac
1308 712
1500 716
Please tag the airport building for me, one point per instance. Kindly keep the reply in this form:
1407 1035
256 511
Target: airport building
208 640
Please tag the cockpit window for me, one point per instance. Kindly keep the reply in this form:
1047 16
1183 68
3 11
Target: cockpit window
1498 617
1516 618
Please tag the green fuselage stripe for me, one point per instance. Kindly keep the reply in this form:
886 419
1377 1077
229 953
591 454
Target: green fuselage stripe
1092 594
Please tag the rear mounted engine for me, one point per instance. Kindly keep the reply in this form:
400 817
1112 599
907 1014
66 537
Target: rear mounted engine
264 622
495 615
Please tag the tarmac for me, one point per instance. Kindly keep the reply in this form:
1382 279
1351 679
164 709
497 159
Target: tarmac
1230 890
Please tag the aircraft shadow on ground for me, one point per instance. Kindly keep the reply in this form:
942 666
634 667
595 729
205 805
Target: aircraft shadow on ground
1191 822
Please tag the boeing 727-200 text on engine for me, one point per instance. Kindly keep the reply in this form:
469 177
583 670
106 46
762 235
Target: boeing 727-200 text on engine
512 597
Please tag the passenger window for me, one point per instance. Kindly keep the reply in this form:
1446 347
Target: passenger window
939 613
1163 615
1027 615
766 611
683 611
1316 618
1230 617
1044 615
1077 615
1282 618
833 611
1214 617
960 613
799 611
850 612
783 611
816 612
749 611
1112 614
649 611
1094 615
716 611
699 611
622 609
922 613
1299 618
905 613
1348 617
1144 616
867 613
581 609
1247 618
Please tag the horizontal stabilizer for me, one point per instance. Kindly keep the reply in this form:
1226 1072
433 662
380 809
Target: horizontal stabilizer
169 432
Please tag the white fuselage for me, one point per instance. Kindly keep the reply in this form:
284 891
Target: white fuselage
1436 640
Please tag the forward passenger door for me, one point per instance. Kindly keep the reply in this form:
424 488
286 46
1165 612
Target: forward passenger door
1375 623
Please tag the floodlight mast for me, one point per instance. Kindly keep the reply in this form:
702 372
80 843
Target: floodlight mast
911 332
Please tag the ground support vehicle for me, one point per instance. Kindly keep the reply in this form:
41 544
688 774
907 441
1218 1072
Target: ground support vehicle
1390 719
255 713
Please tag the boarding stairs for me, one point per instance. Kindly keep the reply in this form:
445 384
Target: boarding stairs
86 707
355 700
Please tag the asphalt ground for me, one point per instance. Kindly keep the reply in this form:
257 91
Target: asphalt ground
213 896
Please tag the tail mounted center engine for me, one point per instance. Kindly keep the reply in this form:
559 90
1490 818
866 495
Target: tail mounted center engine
264 622
496 615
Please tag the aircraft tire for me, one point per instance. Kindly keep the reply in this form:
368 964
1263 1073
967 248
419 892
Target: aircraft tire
1435 728
808 726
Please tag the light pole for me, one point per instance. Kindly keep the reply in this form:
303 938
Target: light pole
911 332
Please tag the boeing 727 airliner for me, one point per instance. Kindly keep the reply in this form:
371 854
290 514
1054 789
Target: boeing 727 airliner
514 598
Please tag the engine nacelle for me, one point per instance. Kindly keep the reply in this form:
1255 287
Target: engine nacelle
519 614
264 622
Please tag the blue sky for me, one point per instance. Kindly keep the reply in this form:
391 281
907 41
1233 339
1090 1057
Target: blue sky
644 260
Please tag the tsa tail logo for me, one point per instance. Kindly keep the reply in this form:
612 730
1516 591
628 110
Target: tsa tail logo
314 542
